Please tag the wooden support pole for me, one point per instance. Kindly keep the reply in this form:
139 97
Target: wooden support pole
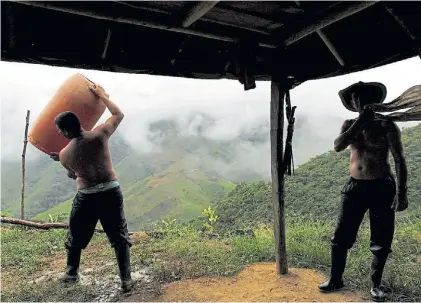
197 11
277 100
25 142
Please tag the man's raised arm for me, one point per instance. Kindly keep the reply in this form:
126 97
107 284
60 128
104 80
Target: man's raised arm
109 127
350 128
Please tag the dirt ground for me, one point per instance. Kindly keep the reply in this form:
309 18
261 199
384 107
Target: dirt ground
256 283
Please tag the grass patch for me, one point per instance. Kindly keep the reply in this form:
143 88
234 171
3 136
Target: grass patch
27 250
184 253
48 292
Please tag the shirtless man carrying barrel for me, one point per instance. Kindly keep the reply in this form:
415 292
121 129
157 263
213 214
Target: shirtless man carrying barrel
371 185
87 159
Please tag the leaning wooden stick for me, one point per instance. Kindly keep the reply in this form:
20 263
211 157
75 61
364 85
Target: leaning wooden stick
25 142
38 225
41 225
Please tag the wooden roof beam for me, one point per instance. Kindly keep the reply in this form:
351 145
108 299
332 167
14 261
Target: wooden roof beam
328 43
134 21
203 18
197 11
330 46
404 27
329 18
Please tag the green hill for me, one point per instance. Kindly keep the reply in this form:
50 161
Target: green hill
313 193
171 181
180 193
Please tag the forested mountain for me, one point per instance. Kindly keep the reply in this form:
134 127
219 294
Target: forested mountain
313 193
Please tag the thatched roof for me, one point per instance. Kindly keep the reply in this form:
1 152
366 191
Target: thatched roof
302 40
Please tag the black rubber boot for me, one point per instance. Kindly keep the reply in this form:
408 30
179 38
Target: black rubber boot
73 260
378 289
122 253
335 282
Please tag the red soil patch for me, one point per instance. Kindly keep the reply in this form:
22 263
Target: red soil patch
256 283
156 181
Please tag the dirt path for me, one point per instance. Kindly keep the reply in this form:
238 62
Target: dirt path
256 283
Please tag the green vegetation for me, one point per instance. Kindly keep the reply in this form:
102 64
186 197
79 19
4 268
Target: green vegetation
185 253
313 192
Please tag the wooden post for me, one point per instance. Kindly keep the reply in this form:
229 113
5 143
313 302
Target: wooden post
25 142
278 90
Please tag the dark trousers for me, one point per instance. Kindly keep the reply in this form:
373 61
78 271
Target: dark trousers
358 196
87 209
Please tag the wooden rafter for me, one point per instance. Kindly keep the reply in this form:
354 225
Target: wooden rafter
197 11
106 44
331 47
328 43
303 31
203 18
404 27
134 21
335 15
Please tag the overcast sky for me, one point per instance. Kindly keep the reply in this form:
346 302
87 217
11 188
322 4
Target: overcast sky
145 98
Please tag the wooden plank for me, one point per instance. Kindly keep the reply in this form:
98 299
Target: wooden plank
197 11
276 140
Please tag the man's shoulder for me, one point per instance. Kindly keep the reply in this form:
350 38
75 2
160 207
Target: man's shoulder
347 123
350 121
96 134
389 126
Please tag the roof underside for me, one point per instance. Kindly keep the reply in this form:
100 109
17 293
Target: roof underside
210 40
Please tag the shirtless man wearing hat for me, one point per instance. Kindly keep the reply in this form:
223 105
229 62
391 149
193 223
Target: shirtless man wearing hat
371 185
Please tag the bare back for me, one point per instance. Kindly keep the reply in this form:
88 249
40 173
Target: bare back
370 151
90 158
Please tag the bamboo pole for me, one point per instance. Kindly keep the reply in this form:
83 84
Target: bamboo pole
25 142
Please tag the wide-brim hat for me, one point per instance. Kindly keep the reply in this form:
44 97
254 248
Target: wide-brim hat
373 92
